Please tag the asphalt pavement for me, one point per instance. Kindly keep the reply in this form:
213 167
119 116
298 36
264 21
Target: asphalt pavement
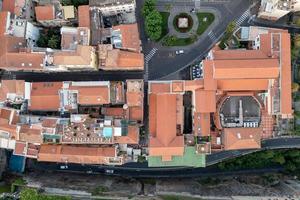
72 76
141 170
166 62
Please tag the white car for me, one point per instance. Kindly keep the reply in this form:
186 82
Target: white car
179 52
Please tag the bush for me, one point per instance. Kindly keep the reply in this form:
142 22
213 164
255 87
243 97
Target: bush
32 194
149 6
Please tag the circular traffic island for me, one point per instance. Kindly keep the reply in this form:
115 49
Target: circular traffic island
183 22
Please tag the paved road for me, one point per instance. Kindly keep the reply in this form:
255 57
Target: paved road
150 173
73 76
141 169
164 62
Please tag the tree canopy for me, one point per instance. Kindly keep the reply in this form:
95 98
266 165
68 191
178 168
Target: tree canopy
153 25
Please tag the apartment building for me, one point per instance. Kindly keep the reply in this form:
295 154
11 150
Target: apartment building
113 7
101 114
275 9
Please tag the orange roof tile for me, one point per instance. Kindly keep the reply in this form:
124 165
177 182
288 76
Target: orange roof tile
45 96
131 138
30 134
3 22
241 138
205 101
82 56
286 81
238 54
84 16
177 86
75 154
202 124
163 126
130 36
160 87
112 111
92 95
13 55
245 69
12 86
45 12
8 5
134 98
136 113
194 85
243 84
208 70
20 148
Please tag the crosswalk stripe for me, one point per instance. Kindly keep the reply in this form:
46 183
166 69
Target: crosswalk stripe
212 36
243 17
150 54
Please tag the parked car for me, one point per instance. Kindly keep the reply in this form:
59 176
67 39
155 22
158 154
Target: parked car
179 52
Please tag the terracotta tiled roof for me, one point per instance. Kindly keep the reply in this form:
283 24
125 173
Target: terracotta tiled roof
11 86
243 84
136 113
130 36
92 95
160 87
163 126
44 13
177 86
205 101
241 138
116 59
246 69
134 98
131 138
238 54
75 154
3 22
82 56
84 16
286 81
30 134
202 124
13 56
44 96
8 5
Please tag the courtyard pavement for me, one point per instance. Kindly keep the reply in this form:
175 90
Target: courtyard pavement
176 11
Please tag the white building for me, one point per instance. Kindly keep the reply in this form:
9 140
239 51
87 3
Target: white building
275 9
113 7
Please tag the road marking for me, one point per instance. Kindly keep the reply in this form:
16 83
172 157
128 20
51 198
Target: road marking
242 18
150 54
212 36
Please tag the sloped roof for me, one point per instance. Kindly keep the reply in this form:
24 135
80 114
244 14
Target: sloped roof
45 96
84 16
44 13
75 154
163 127
242 138
130 36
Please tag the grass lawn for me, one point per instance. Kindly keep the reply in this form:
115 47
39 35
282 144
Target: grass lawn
174 41
4 188
173 197
203 25
164 26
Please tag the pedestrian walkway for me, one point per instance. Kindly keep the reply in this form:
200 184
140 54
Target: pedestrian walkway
244 16
148 57
150 54
212 36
